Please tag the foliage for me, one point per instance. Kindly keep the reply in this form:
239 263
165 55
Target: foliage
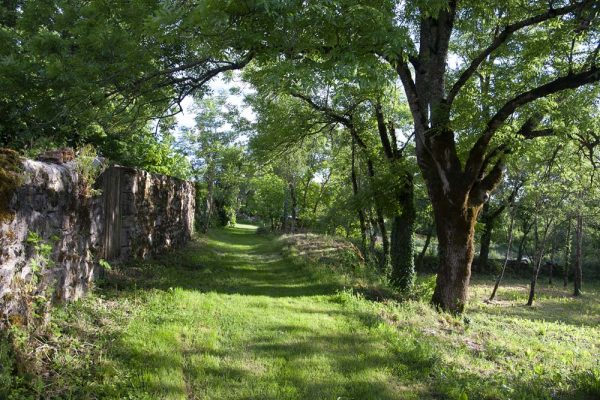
88 167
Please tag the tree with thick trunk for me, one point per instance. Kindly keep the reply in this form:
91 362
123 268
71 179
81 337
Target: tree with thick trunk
415 41
400 253
457 191
403 222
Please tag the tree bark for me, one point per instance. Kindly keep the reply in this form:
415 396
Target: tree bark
401 250
578 275
506 256
403 242
455 229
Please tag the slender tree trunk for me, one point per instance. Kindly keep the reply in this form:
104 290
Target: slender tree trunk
566 268
578 276
540 248
403 243
537 260
421 256
534 278
506 256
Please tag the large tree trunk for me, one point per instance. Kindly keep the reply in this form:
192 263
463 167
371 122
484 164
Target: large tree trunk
578 275
403 243
455 228
458 188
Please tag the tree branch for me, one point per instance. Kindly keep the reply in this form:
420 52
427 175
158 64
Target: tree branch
570 81
383 135
502 37
529 131
342 119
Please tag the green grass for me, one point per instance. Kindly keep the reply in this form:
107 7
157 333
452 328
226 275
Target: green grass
237 315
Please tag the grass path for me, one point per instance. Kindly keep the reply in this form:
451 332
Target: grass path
241 322
237 315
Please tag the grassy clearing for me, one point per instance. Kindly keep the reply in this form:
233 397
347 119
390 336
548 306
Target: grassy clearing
243 316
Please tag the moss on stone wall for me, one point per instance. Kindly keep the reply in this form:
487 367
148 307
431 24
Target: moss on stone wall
10 179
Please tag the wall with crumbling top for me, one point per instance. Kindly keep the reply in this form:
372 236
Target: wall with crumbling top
135 215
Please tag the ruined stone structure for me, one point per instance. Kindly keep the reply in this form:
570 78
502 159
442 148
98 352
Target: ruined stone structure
136 215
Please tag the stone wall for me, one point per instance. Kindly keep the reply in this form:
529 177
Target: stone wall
136 214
